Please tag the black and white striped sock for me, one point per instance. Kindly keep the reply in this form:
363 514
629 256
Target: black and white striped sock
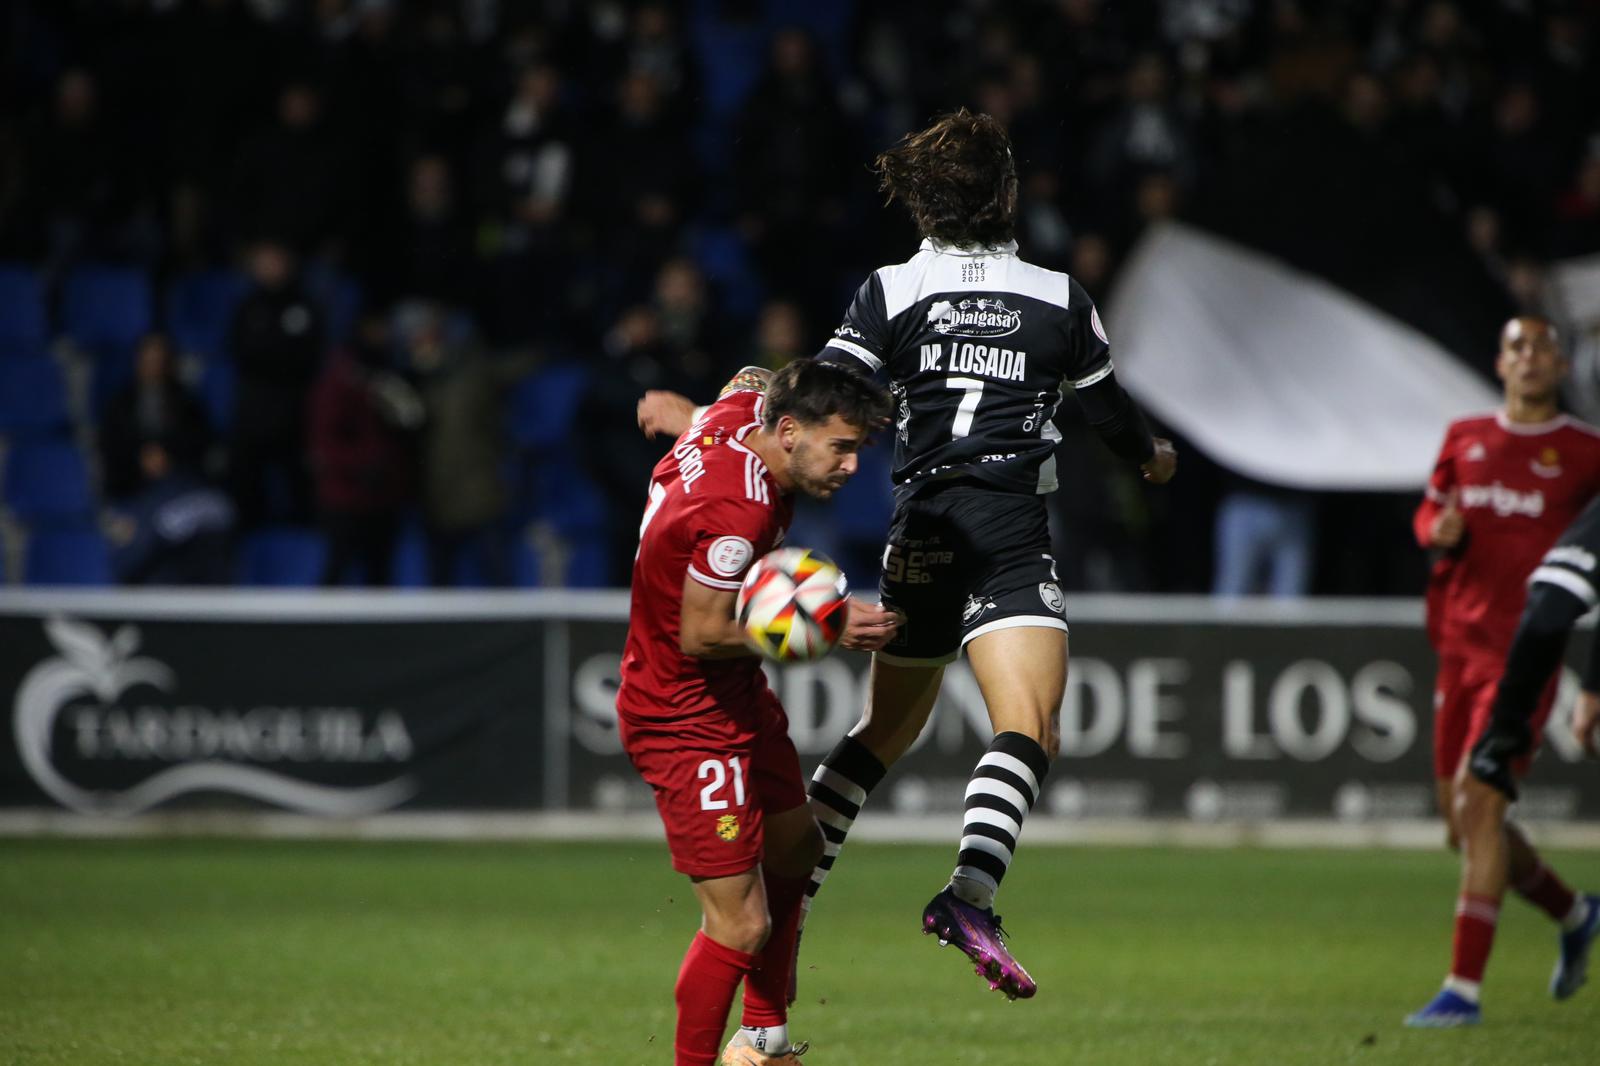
838 790
1002 791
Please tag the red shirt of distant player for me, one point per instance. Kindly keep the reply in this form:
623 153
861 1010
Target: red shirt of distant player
713 510
1518 485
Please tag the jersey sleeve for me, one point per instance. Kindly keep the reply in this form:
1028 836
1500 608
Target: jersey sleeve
863 336
728 535
1088 349
1440 485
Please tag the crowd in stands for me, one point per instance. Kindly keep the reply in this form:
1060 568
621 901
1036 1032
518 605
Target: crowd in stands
331 291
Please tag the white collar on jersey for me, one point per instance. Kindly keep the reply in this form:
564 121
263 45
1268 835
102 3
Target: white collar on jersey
1529 429
931 245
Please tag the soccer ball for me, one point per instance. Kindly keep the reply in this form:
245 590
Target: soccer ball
793 605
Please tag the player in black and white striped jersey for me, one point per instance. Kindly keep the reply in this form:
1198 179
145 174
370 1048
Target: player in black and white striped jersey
978 346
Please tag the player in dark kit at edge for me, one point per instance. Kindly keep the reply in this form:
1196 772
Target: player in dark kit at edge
1564 587
978 347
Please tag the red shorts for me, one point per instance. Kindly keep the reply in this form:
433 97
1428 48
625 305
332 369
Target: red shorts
1463 699
716 778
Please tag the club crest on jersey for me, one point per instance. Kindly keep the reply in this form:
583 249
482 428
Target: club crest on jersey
974 608
728 827
974 317
1050 593
1548 464
1477 453
729 556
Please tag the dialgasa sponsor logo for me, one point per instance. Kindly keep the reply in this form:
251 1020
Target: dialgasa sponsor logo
974 317
210 749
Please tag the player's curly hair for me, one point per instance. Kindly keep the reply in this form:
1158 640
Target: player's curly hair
812 392
956 178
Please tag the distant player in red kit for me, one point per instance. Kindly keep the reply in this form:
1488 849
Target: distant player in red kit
1504 487
697 718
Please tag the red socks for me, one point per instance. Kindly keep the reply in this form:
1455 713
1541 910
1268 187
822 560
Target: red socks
1476 917
710 975
1544 890
766 989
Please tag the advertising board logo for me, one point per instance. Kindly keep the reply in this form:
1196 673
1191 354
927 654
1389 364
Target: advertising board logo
207 749
980 317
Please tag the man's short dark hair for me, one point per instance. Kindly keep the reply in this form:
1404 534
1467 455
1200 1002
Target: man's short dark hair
956 178
811 393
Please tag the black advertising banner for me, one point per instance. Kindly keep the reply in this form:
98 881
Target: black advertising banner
121 713
354 704
1202 718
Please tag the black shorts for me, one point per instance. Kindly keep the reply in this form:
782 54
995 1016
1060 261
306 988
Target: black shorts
964 560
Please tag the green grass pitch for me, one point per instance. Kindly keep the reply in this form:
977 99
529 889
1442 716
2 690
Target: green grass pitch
340 954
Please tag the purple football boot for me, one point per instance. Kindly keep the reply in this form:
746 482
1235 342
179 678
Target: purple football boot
977 932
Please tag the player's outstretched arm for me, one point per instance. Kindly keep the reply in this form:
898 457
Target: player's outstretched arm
661 411
707 629
870 627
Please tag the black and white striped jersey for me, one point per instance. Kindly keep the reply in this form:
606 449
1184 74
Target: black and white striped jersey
977 346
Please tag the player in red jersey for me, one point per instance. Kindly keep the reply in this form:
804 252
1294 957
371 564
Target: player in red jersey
697 718
1504 487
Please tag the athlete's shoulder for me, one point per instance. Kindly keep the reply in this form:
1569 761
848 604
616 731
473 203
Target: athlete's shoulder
1477 422
1048 286
1581 430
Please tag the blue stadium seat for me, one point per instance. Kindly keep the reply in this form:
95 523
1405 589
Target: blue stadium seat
106 308
862 508
732 56
47 482
339 297
33 396
216 387
282 557
23 322
544 405
75 556
200 309
725 261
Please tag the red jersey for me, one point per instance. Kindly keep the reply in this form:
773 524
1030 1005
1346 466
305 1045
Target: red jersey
714 509
1517 486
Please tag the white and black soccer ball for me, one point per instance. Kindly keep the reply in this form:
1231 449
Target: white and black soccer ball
793 605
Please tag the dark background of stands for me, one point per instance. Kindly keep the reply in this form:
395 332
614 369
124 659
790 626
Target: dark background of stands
414 262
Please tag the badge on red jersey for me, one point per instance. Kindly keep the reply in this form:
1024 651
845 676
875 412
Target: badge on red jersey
1548 464
728 827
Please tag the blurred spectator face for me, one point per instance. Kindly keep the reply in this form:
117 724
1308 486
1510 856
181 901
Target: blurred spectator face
1157 197
1517 110
1525 281
298 106
271 265
994 98
539 87
1589 178
154 462
1441 25
1079 12
1091 261
430 192
1483 230
154 364
791 54
635 330
420 326
1530 361
680 288
1147 80
1365 103
639 98
779 333
652 22
1026 80
75 98
1418 82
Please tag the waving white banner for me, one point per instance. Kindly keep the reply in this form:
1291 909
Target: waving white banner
1278 375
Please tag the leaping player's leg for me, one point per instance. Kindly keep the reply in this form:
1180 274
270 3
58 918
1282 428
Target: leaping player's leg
1022 671
900 698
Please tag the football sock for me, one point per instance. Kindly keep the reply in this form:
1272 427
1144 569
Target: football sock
768 1039
707 981
1476 917
838 790
1002 791
766 988
1545 890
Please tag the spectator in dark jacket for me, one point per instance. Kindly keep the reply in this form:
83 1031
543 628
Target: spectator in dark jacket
276 341
178 530
361 413
155 408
